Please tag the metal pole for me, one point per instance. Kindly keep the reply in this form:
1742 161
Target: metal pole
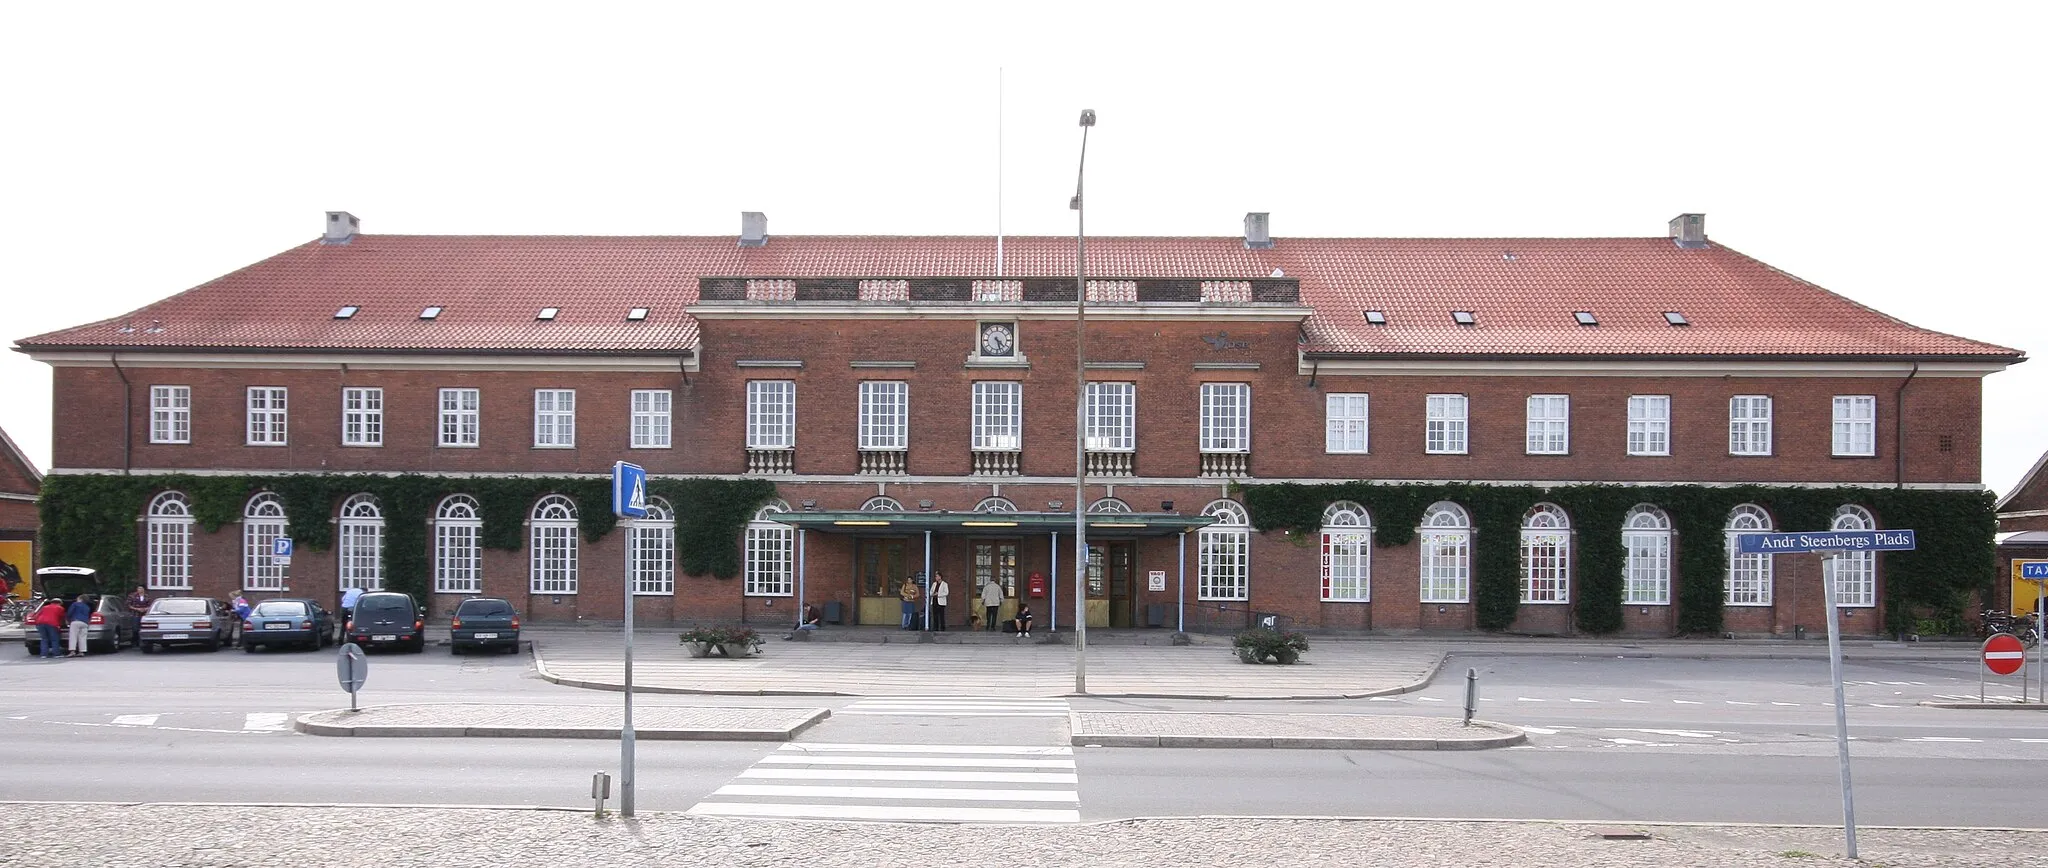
1471 694
927 581
2041 637
1081 414
1827 576
1052 609
1181 594
626 726
800 564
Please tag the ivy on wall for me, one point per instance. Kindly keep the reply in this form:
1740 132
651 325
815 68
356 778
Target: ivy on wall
1955 558
94 520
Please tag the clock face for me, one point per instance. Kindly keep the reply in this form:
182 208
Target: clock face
997 339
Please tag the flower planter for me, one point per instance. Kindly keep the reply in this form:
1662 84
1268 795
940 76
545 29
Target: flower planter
736 651
698 649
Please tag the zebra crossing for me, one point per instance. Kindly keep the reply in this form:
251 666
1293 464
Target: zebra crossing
933 783
186 721
953 706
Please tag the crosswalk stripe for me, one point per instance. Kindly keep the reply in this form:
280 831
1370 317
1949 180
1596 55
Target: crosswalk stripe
960 794
866 712
264 720
136 720
934 761
908 813
927 748
902 775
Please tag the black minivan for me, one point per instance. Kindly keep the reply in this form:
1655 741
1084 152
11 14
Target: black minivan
387 619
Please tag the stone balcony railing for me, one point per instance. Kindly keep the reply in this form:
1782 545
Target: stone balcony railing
995 463
880 462
1112 463
771 461
1226 464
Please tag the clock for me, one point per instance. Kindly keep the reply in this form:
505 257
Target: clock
998 339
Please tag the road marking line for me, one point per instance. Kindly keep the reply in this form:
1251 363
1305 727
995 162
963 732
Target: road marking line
1539 730
928 748
2032 740
886 812
934 762
1943 738
1381 699
862 712
1680 733
1427 699
1787 704
1737 702
1527 699
1687 702
1898 683
265 721
932 793
1637 701
1576 699
1881 705
136 720
899 775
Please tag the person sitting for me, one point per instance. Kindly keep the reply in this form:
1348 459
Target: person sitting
1021 623
809 619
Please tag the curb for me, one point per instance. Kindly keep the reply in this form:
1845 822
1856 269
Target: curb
306 724
1504 736
1987 706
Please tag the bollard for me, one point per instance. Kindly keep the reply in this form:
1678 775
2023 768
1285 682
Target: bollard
600 789
1471 694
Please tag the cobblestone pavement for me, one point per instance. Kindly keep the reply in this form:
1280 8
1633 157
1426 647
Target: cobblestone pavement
171 836
1331 731
562 721
859 669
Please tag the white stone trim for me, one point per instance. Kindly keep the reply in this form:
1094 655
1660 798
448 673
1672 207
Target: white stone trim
335 361
1704 367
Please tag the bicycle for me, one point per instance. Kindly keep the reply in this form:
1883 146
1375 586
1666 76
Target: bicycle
2022 627
17 609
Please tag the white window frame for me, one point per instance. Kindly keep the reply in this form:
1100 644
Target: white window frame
771 414
169 557
263 521
362 416
1226 417
1112 417
884 415
651 543
1646 564
1649 425
1446 570
462 424
170 414
1749 578
1347 423
359 544
652 411
554 541
1549 426
998 416
1854 573
1855 428
1546 562
1749 425
266 416
1347 553
458 546
1223 562
1447 424
770 555
554 418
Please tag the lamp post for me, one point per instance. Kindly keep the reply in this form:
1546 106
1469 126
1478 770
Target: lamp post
1081 414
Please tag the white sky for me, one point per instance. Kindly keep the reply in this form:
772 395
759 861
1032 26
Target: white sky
1888 152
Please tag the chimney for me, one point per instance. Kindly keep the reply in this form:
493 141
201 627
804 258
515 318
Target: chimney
1689 231
753 229
1258 230
341 228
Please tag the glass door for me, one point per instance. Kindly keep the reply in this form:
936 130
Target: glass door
995 561
880 566
1110 565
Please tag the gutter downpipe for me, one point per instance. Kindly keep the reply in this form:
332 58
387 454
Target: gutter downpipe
1899 428
127 414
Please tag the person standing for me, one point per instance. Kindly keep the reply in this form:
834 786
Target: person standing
941 594
348 605
49 622
138 602
909 594
80 614
991 603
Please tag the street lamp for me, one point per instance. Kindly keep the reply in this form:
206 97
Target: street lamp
1081 414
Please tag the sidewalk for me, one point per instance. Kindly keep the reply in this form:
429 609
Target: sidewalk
1286 731
562 721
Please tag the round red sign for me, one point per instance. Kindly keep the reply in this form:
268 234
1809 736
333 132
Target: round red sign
2003 654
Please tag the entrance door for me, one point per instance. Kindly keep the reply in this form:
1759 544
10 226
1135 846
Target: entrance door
995 561
880 566
1110 565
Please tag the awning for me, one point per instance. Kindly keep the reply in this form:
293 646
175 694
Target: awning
1100 524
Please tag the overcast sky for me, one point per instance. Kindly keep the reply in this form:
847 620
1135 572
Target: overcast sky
1891 153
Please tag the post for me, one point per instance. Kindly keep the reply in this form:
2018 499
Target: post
1827 576
2041 636
1181 594
1052 608
800 564
626 726
927 581
1471 694
1081 413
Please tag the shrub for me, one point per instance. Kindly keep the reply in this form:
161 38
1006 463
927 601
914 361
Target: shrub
1260 644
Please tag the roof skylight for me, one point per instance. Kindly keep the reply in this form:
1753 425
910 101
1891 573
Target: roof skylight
1375 317
546 313
1675 318
636 314
1585 317
346 311
431 312
1464 318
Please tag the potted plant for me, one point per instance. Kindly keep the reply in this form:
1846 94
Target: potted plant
700 640
738 642
1262 645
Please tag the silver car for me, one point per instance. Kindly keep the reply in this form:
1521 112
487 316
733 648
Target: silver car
188 621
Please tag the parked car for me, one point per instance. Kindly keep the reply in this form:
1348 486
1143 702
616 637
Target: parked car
386 619
484 622
287 621
188 621
112 627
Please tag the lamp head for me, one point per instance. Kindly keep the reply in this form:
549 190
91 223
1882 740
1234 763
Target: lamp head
1087 117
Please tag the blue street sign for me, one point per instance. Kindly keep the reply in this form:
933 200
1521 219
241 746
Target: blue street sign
1826 541
629 491
281 551
2037 570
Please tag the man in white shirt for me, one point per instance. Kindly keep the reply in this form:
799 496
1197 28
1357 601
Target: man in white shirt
941 592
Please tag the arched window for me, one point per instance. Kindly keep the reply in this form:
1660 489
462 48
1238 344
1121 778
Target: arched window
361 547
1646 574
170 542
1347 553
1546 555
881 504
262 523
995 504
1855 573
1109 504
458 555
1223 568
554 546
1749 576
1446 536
652 545
771 554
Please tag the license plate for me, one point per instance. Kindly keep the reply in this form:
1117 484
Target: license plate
383 638
277 626
486 635
177 635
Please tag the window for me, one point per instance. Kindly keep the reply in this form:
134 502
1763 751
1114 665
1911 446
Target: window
771 548
1855 425
458 559
170 543
262 523
881 504
653 549
1344 423
362 417
1749 425
884 415
266 416
361 546
1649 425
554 418
771 414
1854 573
170 414
1749 576
1446 425
1226 417
1546 555
554 546
995 504
1550 424
1112 417
650 418
1347 553
998 416
1224 553
1646 572
1446 535
461 417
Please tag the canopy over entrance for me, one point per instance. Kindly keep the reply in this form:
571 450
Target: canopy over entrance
1106 525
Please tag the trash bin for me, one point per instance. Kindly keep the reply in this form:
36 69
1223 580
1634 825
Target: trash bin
833 615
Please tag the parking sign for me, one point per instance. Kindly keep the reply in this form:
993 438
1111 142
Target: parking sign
281 551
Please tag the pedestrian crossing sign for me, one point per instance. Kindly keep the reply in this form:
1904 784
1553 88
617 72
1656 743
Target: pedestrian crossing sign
629 491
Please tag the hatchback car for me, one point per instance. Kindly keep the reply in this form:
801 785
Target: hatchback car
484 622
287 622
388 619
188 621
112 626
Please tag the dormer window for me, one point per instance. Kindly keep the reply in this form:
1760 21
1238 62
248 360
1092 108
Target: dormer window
546 313
636 314
1464 318
1585 318
1375 317
431 312
1676 319
346 311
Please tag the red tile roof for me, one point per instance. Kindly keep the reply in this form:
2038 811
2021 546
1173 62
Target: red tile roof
1522 290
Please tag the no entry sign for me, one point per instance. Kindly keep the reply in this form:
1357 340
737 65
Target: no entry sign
2003 654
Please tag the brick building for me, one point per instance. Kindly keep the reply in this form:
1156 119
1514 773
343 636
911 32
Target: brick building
913 399
2023 535
20 483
